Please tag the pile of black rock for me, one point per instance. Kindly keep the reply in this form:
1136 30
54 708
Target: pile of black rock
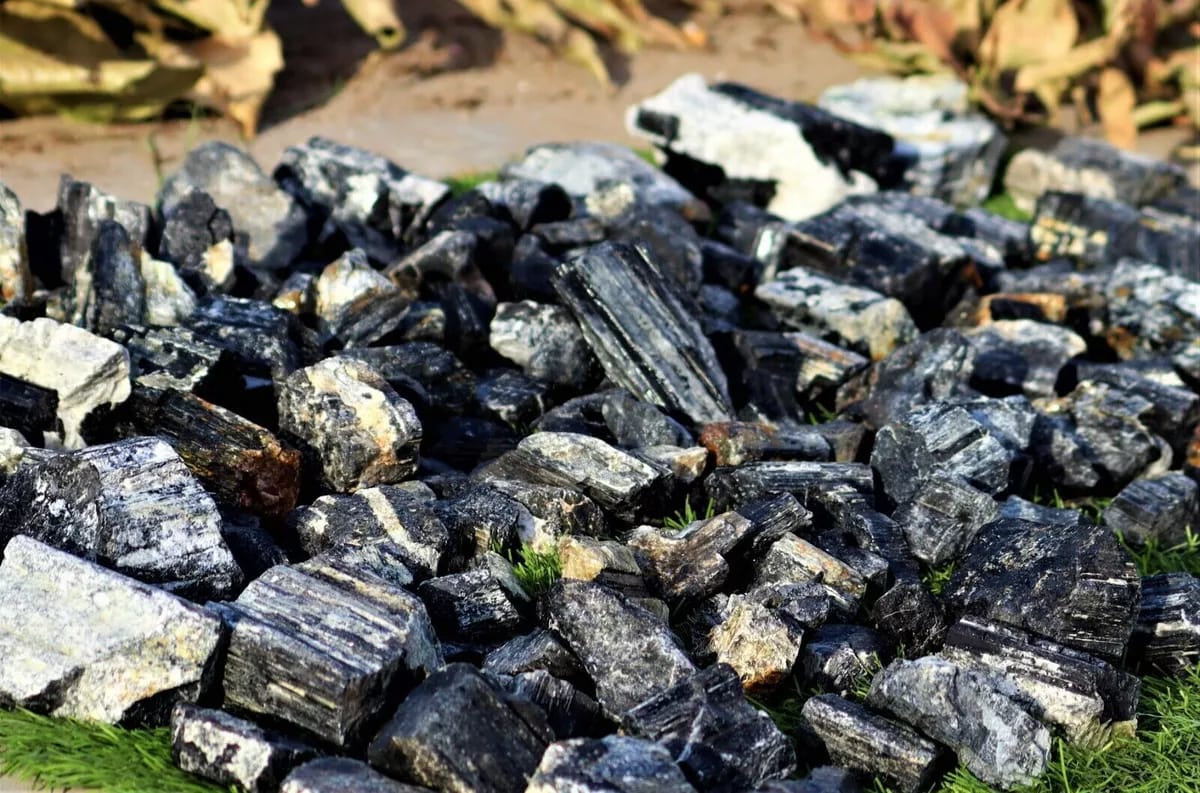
272 446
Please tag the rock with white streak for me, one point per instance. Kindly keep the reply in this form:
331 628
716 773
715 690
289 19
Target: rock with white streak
140 644
89 373
16 282
545 341
615 764
132 506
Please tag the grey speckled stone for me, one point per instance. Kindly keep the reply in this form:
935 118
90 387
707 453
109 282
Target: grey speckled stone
132 506
975 714
545 341
16 282
615 764
88 643
228 750
342 775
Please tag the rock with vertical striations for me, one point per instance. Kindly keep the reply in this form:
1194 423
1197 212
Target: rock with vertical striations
16 281
1063 687
457 732
614 764
109 290
856 738
1073 584
731 485
89 374
1175 410
85 209
934 366
539 650
974 713
778 368
342 775
323 657
132 506
243 465
353 428
943 516
851 316
545 341
1160 510
615 480
631 654
569 712
672 364
269 224
83 642
370 200
1166 637
227 750
485 604
722 742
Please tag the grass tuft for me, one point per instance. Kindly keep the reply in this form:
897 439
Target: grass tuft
1004 206
65 753
936 578
687 516
1152 558
469 181
536 570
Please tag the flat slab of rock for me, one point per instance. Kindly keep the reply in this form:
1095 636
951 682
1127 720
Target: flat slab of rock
353 428
631 654
615 764
140 643
230 751
322 657
722 742
132 506
89 373
975 714
456 732
644 336
342 775
1068 582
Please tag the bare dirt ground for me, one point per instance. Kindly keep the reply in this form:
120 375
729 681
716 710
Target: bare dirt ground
462 98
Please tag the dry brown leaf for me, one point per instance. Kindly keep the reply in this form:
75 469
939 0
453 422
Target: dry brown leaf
1115 101
378 18
1067 66
1025 32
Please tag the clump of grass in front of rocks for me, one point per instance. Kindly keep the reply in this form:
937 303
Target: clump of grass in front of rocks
687 515
65 753
469 181
537 571
935 579
1153 558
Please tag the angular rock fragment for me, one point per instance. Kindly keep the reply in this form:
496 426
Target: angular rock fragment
28 408
851 316
583 168
553 511
89 374
815 158
84 209
911 616
1092 167
617 481
672 365
793 560
355 304
750 481
132 506
324 658
1160 509
1175 410
872 744
629 653
1149 310
230 751
197 237
1166 637
772 518
353 428
943 516
1063 687
16 281
385 515
614 764
736 442
177 359
686 466
243 465
269 223
957 151
1099 231
939 438
856 524
511 397
569 712
606 562
1015 356
545 341
374 203
262 339
142 647
801 607
456 732
837 657
824 779
109 290
527 202
481 605
538 650
1070 583
448 384
719 739
341 775
974 713
692 564
755 641
778 368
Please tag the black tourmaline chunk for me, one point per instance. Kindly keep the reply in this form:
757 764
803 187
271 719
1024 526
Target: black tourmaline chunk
342 775
480 605
231 751
456 731
616 764
1160 509
642 332
27 408
722 742
1166 638
1068 582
